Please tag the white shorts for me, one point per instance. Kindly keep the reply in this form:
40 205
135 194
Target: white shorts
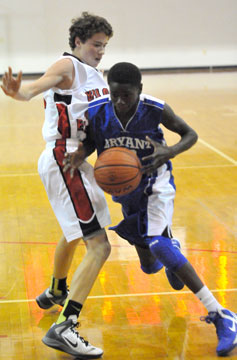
160 206
78 203
148 210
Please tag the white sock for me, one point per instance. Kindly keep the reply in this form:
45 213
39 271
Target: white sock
208 300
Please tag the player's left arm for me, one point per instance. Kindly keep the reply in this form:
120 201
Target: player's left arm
162 153
174 123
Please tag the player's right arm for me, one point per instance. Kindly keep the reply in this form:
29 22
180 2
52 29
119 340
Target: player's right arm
60 74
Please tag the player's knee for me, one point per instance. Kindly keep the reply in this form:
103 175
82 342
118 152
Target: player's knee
163 249
152 268
106 250
99 246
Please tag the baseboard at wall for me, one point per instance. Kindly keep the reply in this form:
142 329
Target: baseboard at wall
162 70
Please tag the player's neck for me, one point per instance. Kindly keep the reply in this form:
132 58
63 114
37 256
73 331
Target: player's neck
123 117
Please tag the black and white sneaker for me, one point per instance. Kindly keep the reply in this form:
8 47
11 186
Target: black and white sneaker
47 299
65 337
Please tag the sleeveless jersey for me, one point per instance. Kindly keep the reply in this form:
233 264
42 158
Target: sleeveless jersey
78 203
88 85
148 209
110 131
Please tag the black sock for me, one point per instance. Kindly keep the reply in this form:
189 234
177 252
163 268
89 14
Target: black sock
72 308
58 286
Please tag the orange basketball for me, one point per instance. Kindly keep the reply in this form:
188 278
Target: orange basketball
118 171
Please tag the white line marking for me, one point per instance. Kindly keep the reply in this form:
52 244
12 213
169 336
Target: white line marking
175 168
124 295
18 175
218 151
203 166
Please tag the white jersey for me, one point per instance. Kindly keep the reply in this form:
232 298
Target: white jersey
88 85
78 203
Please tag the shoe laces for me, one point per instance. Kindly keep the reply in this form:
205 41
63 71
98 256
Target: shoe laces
210 318
216 319
73 328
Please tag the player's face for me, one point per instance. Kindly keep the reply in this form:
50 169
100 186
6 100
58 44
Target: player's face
92 50
125 97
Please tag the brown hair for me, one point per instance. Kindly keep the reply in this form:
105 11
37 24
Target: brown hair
86 26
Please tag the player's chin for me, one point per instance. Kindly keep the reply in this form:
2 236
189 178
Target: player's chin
97 61
121 109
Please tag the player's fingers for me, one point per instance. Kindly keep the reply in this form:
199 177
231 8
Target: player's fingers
66 167
5 77
19 77
148 158
4 81
65 161
3 89
150 140
72 172
10 71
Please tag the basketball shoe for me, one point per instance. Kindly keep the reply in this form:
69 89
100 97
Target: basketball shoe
47 299
174 281
65 337
225 322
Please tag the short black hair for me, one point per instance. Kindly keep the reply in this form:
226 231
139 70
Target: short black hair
125 73
86 26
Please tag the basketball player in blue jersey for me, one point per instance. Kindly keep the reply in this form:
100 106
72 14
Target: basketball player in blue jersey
79 204
131 119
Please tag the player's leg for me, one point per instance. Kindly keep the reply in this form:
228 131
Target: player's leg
68 339
159 206
149 263
63 257
98 250
81 210
58 289
224 320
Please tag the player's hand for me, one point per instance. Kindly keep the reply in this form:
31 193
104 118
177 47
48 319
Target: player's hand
11 85
160 156
72 161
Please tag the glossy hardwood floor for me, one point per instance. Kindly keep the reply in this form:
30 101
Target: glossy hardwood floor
129 314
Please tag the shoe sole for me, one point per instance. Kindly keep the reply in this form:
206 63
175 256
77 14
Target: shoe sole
59 346
226 352
48 306
42 305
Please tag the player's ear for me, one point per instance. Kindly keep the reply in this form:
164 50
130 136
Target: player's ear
77 41
140 87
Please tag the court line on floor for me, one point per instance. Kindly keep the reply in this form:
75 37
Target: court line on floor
203 142
212 213
162 293
113 245
176 168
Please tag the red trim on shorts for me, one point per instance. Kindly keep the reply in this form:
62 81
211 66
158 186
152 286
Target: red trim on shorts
75 186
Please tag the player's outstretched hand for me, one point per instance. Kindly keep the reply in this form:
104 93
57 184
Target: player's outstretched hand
160 156
72 161
11 85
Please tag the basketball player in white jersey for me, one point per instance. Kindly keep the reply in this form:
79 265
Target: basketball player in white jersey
78 203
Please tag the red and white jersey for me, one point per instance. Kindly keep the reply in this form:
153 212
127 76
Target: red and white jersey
88 85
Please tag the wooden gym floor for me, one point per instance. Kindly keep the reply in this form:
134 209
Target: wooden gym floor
129 314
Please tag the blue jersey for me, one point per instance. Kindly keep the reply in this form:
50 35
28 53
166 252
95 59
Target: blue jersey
108 131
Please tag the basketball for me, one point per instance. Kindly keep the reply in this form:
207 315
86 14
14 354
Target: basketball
118 171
